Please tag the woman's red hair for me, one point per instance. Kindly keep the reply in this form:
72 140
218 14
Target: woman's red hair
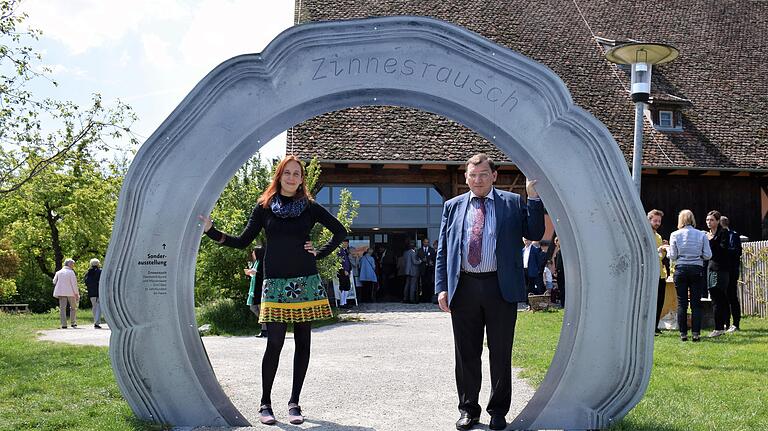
274 186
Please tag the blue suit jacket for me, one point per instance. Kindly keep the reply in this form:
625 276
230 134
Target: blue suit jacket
514 220
535 260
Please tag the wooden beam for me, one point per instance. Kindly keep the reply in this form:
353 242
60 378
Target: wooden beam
396 166
508 168
679 172
359 165
434 167
650 171
711 174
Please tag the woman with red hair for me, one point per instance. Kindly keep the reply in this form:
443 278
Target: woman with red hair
292 290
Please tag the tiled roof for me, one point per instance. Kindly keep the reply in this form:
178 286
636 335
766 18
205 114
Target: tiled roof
720 78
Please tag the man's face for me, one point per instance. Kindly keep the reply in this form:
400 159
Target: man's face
527 242
425 242
655 222
480 178
345 245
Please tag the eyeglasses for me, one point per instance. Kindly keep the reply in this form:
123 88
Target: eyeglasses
481 176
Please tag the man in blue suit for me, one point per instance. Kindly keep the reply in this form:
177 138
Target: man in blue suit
479 280
533 266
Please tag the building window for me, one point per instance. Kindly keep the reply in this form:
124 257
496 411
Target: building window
666 119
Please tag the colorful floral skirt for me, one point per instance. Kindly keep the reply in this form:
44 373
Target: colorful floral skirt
292 300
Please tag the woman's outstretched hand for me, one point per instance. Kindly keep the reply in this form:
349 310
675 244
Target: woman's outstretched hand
207 222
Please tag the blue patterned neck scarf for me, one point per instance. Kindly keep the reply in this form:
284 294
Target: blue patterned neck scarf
284 207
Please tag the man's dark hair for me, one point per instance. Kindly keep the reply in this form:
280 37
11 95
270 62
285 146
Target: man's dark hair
724 222
345 240
480 158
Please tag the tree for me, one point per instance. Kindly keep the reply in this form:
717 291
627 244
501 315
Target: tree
37 133
346 215
220 269
9 268
64 211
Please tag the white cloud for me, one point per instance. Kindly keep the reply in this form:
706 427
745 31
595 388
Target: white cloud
157 51
219 30
85 24
52 70
125 59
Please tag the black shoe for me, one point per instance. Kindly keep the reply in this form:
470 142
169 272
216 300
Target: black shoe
498 422
64 327
657 332
263 334
97 326
74 325
466 421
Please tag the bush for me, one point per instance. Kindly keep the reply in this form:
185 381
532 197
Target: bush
228 317
7 290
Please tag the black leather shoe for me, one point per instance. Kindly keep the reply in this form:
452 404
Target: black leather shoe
498 422
466 421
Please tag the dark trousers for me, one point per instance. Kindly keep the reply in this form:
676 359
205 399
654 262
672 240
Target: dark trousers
732 293
427 281
660 300
718 284
477 305
689 278
530 283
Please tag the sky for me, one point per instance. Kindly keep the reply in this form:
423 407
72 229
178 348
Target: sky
148 53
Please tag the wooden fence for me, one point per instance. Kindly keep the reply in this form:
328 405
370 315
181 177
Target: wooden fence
753 284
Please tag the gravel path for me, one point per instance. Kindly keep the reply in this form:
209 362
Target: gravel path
387 367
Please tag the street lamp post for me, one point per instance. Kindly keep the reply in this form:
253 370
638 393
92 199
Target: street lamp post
641 57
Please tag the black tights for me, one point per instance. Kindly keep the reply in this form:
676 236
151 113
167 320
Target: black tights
302 335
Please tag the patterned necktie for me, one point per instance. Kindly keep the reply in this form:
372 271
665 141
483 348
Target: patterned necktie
476 235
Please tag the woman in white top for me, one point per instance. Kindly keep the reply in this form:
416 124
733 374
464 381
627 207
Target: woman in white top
66 290
689 248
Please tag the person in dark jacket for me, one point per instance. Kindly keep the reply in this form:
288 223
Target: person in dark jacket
734 270
717 277
91 281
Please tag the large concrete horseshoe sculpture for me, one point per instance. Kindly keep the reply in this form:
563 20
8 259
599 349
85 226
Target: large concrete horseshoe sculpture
603 360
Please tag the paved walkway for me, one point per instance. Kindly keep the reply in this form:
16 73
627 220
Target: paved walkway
387 367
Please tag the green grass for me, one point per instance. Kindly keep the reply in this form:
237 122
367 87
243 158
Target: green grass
54 386
718 384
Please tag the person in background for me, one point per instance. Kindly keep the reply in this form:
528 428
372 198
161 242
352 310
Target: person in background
368 276
256 272
411 270
91 281
548 268
66 291
426 255
717 278
343 274
689 248
734 271
559 272
293 291
654 217
532 263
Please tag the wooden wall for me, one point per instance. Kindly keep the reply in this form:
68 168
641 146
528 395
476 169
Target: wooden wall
734 196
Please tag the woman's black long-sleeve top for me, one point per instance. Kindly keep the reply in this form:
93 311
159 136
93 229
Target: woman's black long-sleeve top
285 256
719 246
